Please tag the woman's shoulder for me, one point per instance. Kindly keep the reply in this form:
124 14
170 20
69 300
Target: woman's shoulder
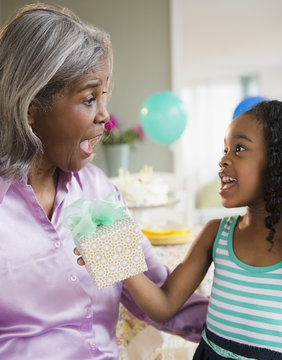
93 171
94 180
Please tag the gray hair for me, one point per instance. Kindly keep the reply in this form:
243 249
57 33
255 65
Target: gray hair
43 49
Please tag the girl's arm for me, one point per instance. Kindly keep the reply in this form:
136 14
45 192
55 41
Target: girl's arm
162 303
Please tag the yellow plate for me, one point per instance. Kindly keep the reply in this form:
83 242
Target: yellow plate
168 236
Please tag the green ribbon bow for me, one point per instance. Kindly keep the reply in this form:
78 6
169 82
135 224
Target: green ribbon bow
83 216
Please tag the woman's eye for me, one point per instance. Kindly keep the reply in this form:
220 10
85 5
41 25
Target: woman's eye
89 100
105 96
240 148
224 151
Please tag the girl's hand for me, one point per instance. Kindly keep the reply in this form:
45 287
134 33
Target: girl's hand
80 261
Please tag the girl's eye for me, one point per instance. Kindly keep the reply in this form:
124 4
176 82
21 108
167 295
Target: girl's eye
89 100
240 148
224 151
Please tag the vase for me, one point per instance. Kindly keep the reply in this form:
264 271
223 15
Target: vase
117 156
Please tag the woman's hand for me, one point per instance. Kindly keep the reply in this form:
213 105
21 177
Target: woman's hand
80 261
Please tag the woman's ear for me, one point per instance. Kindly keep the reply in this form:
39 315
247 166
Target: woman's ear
31 114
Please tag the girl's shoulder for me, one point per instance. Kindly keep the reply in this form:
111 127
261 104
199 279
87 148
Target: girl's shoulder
217 225
208 234
211 227
213 224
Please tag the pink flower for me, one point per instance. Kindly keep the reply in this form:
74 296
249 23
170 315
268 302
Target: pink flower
112 123
139 131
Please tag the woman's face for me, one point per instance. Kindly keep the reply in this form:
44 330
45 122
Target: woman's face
74 124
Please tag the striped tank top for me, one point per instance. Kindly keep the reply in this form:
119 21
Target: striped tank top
246 301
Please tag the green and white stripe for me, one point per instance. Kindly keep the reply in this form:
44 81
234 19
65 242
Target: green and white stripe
246 301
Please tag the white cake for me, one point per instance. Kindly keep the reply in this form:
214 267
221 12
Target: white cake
143 189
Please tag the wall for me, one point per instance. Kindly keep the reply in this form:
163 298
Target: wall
215 44
140 38
220 37
219 41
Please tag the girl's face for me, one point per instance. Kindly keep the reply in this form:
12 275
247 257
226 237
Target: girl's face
242 165
75 121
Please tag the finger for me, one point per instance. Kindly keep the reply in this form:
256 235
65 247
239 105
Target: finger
75 250
80 261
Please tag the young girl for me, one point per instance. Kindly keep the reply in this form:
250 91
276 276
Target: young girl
245 313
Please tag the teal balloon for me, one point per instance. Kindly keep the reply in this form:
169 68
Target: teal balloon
163 117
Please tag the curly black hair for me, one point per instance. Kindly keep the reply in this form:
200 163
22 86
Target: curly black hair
269 114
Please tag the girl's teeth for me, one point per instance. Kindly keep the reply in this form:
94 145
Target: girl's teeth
227 179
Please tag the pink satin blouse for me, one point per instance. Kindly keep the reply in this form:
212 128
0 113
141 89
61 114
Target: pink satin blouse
50 309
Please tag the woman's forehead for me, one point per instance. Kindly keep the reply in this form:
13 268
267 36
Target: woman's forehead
97 75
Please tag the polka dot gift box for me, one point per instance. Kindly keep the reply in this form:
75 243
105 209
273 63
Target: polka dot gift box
109 241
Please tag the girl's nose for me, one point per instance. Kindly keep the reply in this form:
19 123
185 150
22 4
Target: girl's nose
225 161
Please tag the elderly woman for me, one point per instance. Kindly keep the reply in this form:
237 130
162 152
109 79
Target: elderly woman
55 73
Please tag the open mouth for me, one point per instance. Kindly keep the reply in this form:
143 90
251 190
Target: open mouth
226 181
87 145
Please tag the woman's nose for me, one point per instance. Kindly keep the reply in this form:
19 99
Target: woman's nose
102 116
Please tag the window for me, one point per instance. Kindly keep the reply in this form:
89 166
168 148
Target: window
210 108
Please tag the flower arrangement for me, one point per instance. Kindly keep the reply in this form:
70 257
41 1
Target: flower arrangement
113 135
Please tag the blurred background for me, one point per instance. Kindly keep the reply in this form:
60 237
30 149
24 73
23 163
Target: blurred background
211 54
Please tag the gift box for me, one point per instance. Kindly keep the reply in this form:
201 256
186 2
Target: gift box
114 252
109 241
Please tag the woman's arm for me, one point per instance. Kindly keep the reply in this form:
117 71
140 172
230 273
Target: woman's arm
162 303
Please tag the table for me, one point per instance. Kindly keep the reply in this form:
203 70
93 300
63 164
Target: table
139 341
